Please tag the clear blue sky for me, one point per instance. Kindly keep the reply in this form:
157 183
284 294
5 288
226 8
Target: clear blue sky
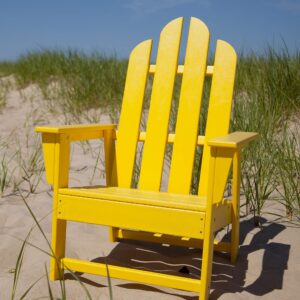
115 26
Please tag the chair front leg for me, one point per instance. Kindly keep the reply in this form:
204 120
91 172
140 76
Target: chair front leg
207 256
61 178
58 248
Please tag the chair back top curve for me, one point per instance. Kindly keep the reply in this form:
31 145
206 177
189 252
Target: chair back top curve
186 137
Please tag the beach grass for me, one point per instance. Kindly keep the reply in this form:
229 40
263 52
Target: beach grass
266 100
85 81
7 68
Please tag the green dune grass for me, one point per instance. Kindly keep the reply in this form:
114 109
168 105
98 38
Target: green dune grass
267 100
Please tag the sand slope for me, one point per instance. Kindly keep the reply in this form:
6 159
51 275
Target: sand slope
268 265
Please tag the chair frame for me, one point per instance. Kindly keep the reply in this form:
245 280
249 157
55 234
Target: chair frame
223 151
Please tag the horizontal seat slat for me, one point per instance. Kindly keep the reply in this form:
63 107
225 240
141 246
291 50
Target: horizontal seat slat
150 218
159 199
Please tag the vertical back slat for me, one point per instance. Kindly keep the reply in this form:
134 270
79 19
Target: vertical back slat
218 118
162 92
130 118
189 108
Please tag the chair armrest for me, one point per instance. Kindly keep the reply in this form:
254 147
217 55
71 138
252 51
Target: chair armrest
56 144
235 140
78 132
225 150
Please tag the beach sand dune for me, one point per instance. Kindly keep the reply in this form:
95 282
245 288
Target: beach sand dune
268 265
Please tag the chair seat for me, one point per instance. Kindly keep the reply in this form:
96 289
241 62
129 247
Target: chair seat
158 199
158 212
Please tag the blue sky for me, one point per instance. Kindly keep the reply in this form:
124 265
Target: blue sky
115 26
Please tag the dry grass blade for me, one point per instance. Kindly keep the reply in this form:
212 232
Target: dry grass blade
48 284
289 172
81 283
62 282
30 288
18 266
108 279
3 175
18 270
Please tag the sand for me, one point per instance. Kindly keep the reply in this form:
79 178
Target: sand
268 264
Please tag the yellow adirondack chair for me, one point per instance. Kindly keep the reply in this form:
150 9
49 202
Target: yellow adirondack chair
146 213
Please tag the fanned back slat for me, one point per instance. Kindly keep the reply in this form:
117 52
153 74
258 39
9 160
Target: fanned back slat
189 108
130 118
162 92
218 118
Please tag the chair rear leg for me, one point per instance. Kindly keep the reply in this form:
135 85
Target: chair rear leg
235 239
113 234
235 210
58 247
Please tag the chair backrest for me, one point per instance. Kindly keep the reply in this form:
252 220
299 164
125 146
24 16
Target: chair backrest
186 138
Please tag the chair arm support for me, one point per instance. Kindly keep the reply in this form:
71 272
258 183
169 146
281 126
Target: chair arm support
236 140
78 132
56 146
224 151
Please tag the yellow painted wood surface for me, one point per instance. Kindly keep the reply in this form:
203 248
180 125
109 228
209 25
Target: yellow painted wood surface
131 111
52 135
131 215
48 142
77 132
110 158
61 179
173 217
77 128
159 199
236 140
220 103
208 239
189 108
235 213
160 105
169 239
170 138
223 160
180 68
222 215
